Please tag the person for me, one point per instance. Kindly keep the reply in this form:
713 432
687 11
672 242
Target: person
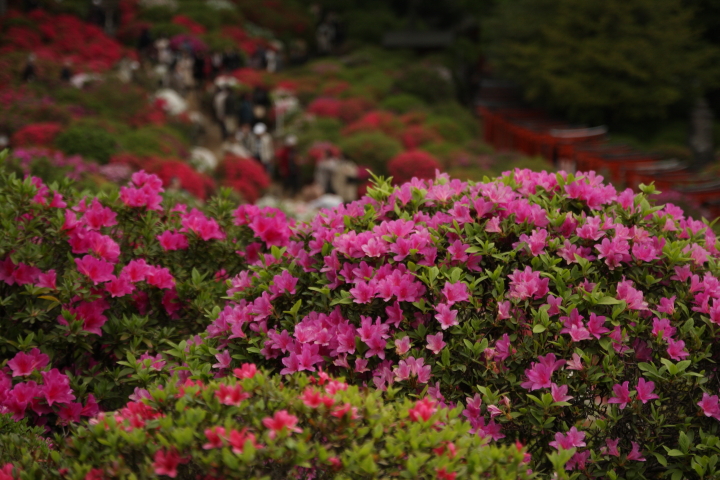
262 148
324 36
66 72
245 110
219 108
324 171
244 138
29 72
216 62
199 69
261 104
231 112
288 165
144 42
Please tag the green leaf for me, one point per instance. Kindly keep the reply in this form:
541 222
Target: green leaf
539 328
608 301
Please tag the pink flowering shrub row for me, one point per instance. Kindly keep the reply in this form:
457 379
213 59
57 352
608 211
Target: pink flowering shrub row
87 282
256 426
558 311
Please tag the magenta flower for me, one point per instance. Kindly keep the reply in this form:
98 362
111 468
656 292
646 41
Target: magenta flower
281 421
172 241
573 439
662 328
559 394
97 270
612 447
166 463
402 345
676 349
446 316
635 453
24 364
622 394
645 390
435 343
456 292
56 388
710 406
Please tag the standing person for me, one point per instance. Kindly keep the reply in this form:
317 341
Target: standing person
219 108
199 69
288 167
245 140
245 110
30 71
216 63
144 42
261 104
231 112
66 72
263 148
324 171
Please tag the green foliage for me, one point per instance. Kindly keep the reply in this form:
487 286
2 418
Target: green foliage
372 150
19 442
602 60
373 439
90 141
402 103
166 30
451 129
426 81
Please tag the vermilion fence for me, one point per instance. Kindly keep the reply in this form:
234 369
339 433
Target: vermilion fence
579 148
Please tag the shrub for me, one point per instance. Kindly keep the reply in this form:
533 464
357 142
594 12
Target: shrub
451 130
265 427
415 136
372 149
167 30
21 442
415 164
402 103
36 134
375 121
189 179
91 282
89 141
245 175
426 82
562 313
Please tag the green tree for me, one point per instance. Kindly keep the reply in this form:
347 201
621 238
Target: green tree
604 60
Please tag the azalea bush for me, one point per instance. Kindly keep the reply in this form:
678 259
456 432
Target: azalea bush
86 283
372 149
257 426
560 312
413 164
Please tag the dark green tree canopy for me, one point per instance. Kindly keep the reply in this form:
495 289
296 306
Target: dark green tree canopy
601 60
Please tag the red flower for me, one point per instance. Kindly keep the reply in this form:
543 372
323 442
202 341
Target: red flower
187 22
423 409
416 163
166 463
280 421
36 134
244 175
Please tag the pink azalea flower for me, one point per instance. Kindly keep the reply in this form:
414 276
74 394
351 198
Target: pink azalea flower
612 447
166 463
435 343
635 453
676 349
456 292
215 436
402 345
573 439
97 270
24 364
645 390
710 406
47 280
422 410
622 394
575 363
246 370
662 328
280 422
559 394
56 387
446 316
170 241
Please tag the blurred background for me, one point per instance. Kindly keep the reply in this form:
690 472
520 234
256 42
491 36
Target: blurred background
294 102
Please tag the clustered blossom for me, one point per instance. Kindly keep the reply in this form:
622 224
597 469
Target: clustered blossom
386 268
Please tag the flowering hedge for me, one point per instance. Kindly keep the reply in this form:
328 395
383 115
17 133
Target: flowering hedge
246 175
258 426
86 283
561 312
